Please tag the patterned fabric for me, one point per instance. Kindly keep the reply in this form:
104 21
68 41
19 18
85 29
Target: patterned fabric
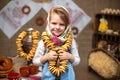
62 38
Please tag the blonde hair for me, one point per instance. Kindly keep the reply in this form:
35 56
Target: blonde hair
62 12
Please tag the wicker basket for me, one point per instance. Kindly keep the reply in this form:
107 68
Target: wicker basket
104 64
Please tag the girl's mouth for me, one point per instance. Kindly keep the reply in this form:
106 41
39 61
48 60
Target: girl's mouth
54 33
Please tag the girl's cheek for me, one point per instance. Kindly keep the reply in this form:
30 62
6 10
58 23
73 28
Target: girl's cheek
51 28
63 29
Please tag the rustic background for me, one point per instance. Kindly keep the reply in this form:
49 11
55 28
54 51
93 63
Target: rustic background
84 39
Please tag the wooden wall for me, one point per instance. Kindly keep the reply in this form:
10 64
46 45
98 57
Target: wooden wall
84 39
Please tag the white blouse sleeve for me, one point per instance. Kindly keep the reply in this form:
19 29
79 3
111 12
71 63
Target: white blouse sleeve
39 52
75 53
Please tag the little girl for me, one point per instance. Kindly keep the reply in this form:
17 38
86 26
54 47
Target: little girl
57 50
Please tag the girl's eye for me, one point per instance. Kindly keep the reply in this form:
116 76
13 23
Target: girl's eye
62 24
54 23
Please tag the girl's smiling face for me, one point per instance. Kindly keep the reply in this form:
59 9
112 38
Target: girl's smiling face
57 25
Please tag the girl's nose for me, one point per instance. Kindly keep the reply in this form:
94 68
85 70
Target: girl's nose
57 26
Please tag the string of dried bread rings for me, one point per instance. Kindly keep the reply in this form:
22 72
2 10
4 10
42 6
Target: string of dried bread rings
21 36
59 66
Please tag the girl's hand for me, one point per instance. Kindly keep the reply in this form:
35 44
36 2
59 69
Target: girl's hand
52 55
64 55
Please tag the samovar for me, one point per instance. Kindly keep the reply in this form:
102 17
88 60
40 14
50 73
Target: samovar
27 41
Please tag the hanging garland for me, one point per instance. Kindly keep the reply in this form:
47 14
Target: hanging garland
59 66
21 36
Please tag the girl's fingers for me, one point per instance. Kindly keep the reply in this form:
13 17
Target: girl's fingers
60 51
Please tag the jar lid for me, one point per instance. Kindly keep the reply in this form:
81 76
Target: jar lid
30 29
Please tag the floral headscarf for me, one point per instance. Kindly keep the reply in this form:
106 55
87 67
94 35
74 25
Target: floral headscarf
62 38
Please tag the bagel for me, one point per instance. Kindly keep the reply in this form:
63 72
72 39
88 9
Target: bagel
5 64
39 21
26 9
4 73
75 30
